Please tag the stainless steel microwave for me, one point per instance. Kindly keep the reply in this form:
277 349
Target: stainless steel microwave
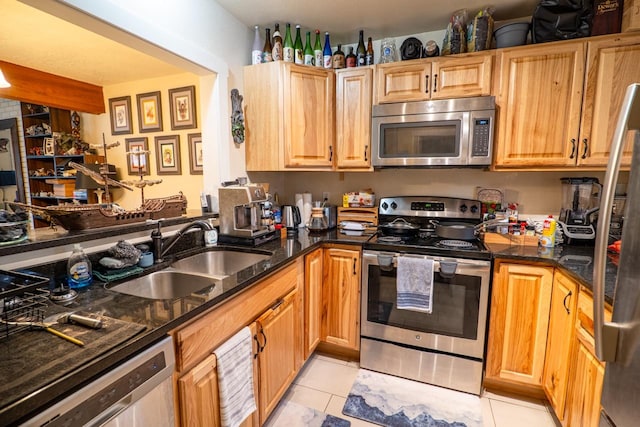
450 132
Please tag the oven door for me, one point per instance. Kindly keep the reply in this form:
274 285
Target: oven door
457 323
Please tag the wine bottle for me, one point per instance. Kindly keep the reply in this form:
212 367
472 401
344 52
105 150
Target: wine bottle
266 50
298 53
368 59
338 58
351 58
317 51
276 51
256 50
308 51
361 52
326 54
287 51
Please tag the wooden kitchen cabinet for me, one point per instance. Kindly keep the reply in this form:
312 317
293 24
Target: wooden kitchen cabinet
440 78
519 321
353 118
564 300
199 393
279 331
313 273
539 96
341 297
612 65
289 117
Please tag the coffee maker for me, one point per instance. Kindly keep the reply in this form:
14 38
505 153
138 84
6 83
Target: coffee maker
580 204
244 210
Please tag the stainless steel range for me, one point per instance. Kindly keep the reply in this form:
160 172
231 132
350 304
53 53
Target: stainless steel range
443 346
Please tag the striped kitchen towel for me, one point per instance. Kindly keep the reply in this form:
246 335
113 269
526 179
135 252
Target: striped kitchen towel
235 379
414 283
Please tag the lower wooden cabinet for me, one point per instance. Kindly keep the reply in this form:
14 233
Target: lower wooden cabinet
312 300
564 301
279 332
341 297
519 321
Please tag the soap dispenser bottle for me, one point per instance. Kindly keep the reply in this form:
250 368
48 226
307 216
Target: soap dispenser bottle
78 269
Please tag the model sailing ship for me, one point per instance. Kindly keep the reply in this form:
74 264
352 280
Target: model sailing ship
74 216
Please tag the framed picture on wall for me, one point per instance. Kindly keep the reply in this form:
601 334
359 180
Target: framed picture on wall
195 153
149 112
183 107
120 114
137 156
168 155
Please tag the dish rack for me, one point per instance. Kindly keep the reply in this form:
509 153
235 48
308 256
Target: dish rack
23 298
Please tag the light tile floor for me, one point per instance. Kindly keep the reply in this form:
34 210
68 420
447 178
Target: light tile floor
324 383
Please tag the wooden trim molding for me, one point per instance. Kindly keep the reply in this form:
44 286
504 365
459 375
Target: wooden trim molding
38 87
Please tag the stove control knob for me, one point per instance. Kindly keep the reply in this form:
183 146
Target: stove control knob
474 209
463 208
393 205
384 205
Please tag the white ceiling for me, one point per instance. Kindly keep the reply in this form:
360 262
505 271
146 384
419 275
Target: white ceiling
37 40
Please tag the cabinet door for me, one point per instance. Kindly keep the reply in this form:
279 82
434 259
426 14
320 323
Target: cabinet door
539 100
353 118
564 299
612 65
312 300
583 401
461 77
309 123
199 394
403 82
341 298
281 350
520 302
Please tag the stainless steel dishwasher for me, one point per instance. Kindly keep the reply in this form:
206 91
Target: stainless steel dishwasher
139 392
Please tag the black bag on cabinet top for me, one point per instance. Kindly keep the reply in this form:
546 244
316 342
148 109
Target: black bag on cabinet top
561 20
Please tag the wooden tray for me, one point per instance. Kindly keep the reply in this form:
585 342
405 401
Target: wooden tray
510 239
369 215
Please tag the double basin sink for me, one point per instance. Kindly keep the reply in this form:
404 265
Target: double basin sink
194 274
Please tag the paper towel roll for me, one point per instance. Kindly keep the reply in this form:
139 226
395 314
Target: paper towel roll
300 205
306 213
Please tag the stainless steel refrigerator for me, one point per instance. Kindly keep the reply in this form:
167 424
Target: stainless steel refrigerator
618 342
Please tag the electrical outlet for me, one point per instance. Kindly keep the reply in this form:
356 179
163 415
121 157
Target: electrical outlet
325 195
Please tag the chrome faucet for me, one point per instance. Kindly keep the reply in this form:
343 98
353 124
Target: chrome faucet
160 249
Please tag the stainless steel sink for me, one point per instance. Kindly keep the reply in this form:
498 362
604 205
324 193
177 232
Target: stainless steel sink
169 284
219 263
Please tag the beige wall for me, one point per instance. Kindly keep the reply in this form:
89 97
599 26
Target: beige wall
93 126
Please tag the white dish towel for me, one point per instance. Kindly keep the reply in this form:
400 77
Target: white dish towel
414 283
235 378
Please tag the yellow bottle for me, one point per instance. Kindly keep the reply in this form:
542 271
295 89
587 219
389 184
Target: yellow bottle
548 239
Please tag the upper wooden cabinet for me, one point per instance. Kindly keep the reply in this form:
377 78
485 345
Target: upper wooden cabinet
289 117
558 102
353 118
445 77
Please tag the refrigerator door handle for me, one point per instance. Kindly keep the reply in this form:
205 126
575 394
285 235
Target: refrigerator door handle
607 334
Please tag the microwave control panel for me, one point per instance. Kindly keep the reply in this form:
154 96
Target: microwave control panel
481 135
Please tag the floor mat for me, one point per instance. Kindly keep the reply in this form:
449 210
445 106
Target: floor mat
395 402
292 414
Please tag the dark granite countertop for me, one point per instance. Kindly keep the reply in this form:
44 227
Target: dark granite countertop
162 316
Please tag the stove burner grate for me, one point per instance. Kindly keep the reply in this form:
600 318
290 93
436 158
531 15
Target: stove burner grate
455 244
389 239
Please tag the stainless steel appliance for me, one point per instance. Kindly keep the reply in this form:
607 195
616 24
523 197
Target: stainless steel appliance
578 215
243 211
291 217
139 392
618 342
451 132
444 347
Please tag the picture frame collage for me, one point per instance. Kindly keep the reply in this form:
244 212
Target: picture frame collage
183 116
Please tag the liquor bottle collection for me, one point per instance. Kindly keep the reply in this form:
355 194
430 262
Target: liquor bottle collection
275 48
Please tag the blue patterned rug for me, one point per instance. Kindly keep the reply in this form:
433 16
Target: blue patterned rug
291 414
397 402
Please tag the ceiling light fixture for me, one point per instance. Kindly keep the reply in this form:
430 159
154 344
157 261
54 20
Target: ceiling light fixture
3 82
